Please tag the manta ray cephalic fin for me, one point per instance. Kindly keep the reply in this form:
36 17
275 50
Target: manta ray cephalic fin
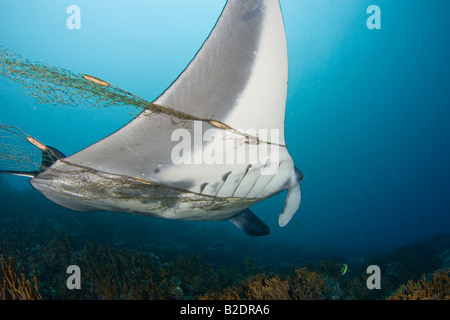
291 205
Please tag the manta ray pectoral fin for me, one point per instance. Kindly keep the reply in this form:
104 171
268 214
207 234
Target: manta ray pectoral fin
291 205
247 221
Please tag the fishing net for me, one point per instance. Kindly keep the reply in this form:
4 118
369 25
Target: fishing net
20 152
58 86
87 185
16 152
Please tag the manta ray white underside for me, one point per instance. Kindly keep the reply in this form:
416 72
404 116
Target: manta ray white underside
214 148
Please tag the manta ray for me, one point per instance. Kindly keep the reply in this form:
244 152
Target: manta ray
209 147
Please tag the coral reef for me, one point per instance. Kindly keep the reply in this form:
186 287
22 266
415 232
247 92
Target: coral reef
436 288
114 272
119 273
307 285
304 285
132 257
15 283
111 273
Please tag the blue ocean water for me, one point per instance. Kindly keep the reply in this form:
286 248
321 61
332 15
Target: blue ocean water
367 114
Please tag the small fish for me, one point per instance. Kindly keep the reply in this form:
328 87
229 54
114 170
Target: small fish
344 269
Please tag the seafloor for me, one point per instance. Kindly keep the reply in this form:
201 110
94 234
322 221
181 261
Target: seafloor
127 257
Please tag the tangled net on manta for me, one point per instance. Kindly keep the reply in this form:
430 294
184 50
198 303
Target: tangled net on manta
58 86
48 84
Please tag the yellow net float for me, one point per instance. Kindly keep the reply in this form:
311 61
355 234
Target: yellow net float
96 80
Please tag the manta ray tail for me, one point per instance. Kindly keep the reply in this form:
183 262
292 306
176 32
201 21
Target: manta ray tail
250 223
30 174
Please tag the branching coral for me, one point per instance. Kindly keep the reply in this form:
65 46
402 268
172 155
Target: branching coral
14 282
305 285
438 288
263 288
111 273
